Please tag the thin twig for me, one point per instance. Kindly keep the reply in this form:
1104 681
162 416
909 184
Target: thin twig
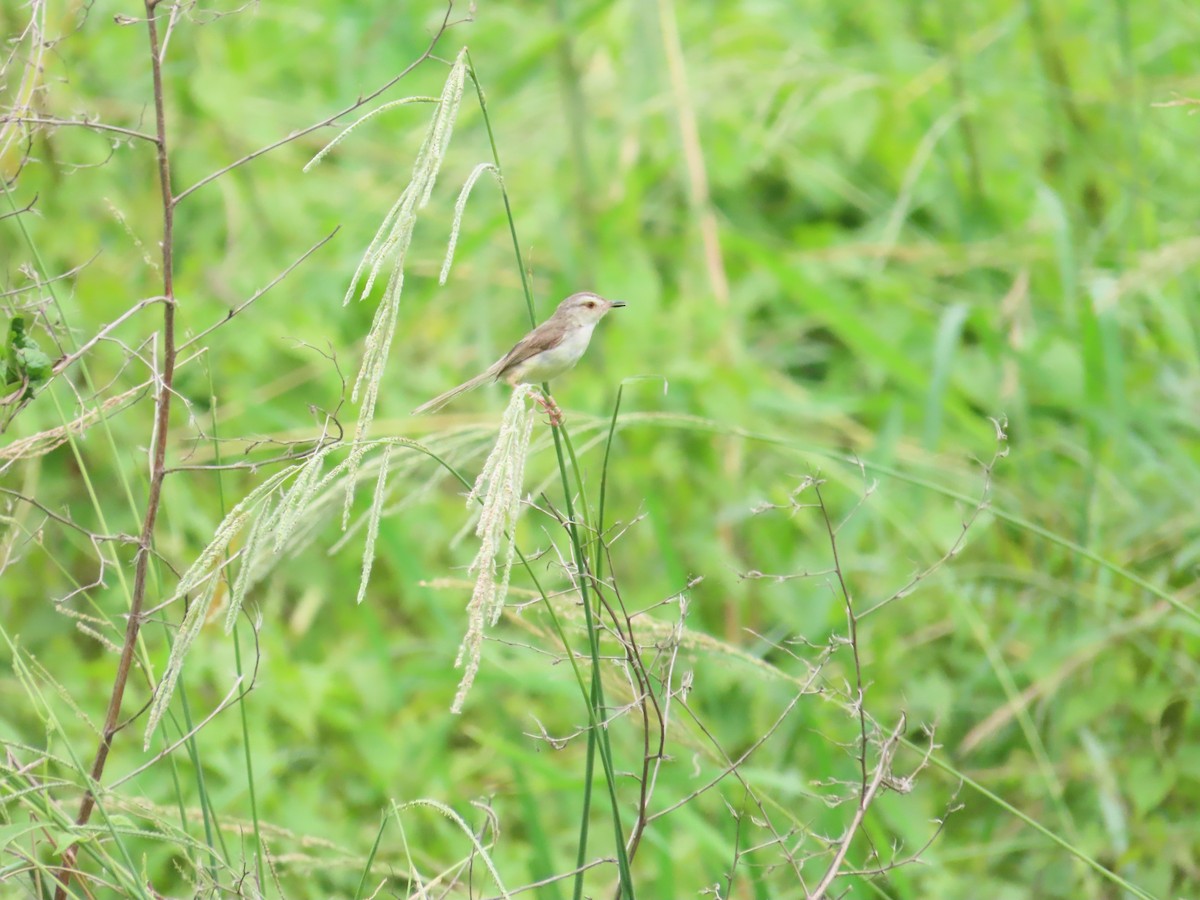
232 697
61 518
162 421
732 766
81 123
28 207
984 502
257 294
324 123
105 332
37 285
562 876
859 700
882 768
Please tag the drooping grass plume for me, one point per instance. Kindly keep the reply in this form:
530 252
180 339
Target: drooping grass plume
390 247
499 488
373 517
460 207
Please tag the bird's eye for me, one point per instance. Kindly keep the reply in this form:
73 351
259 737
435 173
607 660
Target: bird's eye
591 304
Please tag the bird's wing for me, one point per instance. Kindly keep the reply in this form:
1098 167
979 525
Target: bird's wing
537 341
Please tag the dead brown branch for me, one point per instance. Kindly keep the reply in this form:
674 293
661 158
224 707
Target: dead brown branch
162 418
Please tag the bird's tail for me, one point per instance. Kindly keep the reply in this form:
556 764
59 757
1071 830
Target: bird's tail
442 399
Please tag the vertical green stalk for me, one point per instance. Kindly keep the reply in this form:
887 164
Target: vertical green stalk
597 734
237 652
575 112
612 430
362 881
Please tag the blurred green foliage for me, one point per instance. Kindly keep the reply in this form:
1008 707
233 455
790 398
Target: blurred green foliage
929 217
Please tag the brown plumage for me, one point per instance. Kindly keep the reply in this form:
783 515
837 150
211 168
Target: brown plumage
545 353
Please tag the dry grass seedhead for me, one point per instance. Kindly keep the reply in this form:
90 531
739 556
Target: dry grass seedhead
498 489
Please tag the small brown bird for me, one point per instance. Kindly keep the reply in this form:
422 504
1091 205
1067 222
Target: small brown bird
545 353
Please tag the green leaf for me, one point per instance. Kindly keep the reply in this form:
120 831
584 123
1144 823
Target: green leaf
24 361
35 364
10 833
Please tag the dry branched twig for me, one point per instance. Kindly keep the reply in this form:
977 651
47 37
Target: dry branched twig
164 396
162 354
874 747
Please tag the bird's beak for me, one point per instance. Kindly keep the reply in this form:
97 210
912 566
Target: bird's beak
615 303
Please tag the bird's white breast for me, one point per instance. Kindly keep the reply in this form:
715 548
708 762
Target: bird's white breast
551 363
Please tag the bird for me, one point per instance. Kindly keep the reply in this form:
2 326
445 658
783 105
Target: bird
545 353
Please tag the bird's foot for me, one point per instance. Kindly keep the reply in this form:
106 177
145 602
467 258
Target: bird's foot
551 408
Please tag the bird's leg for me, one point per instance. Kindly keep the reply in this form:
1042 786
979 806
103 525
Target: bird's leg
551 408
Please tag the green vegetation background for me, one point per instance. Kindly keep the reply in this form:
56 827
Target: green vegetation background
928 215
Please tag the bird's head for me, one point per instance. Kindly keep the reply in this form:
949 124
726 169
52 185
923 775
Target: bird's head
585 308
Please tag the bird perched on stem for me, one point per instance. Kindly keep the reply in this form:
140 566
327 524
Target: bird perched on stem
545 353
